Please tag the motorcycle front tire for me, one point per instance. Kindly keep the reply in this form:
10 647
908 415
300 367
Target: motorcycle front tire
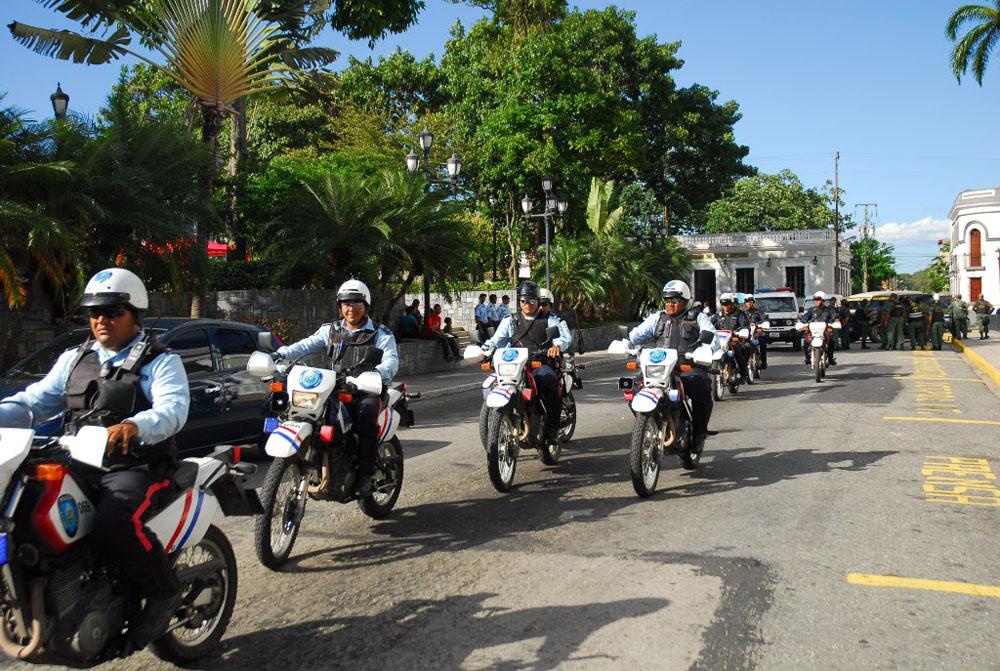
291 517
644 455
817 365
501 449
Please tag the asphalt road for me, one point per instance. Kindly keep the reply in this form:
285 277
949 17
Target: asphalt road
789 548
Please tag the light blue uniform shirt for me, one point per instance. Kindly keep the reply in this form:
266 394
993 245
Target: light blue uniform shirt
645 331
506 329
483 313
162 380
502 312
320 341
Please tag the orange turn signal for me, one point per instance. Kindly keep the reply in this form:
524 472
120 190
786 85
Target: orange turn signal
237 451
632 365
50 472
345 398
536 364
484 366
685 368
277 386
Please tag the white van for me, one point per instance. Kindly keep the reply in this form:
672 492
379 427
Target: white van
782 310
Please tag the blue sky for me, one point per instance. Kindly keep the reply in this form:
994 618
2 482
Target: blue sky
868 79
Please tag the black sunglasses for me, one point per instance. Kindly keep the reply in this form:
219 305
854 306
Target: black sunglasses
109 312
673 299
529 301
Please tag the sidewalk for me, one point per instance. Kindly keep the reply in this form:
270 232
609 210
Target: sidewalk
469 376
983 354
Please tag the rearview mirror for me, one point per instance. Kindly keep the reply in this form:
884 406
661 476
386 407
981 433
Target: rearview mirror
623 330
265 341
552 332
261 365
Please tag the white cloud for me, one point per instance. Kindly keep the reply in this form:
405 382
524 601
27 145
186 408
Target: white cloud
927 229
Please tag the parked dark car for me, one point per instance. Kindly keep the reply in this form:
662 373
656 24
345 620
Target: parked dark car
227 404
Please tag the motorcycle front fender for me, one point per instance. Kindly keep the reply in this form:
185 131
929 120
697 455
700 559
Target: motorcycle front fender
500 396
817 342
646 400
286 440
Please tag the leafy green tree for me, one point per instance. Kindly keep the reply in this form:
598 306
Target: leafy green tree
769 203
881 264
974 48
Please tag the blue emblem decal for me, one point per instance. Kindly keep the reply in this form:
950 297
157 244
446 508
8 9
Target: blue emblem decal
509 355
657 355
102 276
310 379
69 514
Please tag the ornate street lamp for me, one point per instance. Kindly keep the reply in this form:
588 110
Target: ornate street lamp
454 166
60 102
553 204
412 163
426 140
526 205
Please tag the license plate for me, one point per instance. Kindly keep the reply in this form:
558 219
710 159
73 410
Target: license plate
3 549
270 424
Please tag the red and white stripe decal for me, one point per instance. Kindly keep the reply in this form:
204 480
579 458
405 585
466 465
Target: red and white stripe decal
384 422
180 525
137 522
290 433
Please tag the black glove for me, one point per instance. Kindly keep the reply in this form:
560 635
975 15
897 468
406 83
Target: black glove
276 357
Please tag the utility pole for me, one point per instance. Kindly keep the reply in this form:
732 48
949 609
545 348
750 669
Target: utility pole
836 223
866 232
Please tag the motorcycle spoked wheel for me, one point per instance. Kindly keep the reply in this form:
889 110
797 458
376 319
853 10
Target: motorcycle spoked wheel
198 629
817 354
502 446
380 502
753 368
283 496
718 386
567 426
644 455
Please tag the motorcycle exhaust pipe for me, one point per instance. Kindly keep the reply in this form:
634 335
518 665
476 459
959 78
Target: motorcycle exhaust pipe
16 651
673 432
324 477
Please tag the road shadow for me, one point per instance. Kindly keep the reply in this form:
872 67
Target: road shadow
739 468
433 634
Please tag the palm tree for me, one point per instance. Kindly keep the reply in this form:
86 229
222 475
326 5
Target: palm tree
34 243
578 275
975 47
601 219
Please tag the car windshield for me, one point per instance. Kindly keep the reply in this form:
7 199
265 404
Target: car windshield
771 304
37 364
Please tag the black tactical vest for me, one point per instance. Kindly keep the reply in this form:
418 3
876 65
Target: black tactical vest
91 384
680 333
734 321
353 352
529 333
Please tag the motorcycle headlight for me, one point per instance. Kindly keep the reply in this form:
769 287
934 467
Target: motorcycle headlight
655 371
307 400
507 369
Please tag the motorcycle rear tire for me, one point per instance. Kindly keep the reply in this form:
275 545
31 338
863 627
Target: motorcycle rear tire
689 458
171 647
392 453
267 554
567 418
643 458
501 459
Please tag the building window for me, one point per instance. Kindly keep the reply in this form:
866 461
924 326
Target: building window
744 280
975 249
795 279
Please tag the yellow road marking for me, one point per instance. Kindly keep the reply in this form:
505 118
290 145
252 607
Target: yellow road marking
943 379
969 588
944 419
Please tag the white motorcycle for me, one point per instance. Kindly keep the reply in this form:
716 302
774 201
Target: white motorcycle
58 598
754 334
725 373
315 449
663 414
818 334
513 416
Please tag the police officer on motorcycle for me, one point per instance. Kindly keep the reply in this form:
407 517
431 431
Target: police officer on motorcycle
731 318
682 328
758 317
527 328
353 345
820 312
122 379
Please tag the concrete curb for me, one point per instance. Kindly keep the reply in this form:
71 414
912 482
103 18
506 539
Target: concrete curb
469 386
978 361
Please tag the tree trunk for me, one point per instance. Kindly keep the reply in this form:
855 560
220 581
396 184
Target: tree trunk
210 129
237 154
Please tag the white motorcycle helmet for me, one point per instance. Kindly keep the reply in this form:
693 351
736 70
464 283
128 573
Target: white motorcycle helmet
749 297
545 297
677 289
727 298
354 290
115 286
819 295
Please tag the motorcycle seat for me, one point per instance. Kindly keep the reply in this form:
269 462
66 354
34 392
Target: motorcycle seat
186 474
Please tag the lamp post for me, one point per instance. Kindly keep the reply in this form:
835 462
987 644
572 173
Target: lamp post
421 162
60 102
553 205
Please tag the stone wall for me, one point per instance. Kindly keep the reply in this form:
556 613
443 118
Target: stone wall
24 331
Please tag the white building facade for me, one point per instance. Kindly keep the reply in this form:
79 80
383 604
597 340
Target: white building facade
975 245
805 261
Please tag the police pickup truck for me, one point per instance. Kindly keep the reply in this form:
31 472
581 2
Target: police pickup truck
782 310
